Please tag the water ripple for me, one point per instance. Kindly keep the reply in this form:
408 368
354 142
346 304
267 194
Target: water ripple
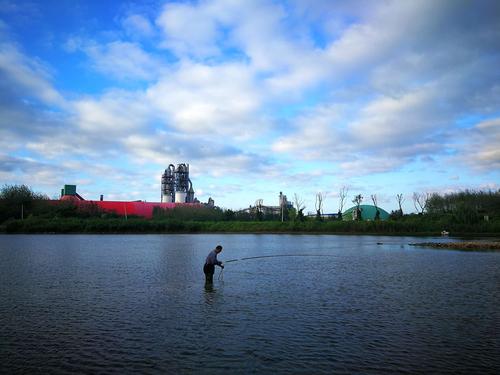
121 304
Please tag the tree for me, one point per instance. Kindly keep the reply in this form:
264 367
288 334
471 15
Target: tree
319 206
466 206
342 198
259 215
299 204
357 201
377 212
229 214
20 194
400 199
16 201
420 201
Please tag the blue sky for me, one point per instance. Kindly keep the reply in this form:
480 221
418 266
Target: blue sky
380 97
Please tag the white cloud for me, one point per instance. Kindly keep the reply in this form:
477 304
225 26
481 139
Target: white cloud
116 113
419 83
371 86
370 165
138 25
27 77
119 59
189 29
25 170
396 122
220 100
318 135
257 32
384 134
481 148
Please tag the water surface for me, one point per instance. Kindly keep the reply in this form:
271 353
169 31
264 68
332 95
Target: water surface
333 304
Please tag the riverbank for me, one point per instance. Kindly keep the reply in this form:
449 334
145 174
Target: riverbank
139 225
465 245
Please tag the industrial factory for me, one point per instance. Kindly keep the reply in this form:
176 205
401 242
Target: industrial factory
176 190
176 185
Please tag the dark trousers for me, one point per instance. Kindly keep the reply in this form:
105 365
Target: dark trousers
209 270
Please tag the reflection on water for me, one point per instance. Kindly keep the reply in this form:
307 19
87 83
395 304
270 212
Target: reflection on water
213 292
209 292
286 304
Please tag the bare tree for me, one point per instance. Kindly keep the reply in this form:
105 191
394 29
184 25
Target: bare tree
357 201
299 206
342 197
400 199
319 205
258 208
420 201
299 202
377 211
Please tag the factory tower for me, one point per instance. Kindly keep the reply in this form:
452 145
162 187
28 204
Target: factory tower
176 185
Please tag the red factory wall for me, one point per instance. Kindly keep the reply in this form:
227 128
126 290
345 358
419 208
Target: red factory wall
144 209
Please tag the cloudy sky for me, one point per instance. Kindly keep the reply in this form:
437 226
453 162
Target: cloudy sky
299 96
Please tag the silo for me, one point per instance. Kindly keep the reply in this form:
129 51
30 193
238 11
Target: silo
180 197
182 178
190 194
168 184
176 185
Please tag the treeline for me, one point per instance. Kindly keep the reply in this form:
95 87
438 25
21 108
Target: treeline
23 211
19 202
217 214
467 207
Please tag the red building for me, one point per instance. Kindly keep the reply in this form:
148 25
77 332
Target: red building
123 208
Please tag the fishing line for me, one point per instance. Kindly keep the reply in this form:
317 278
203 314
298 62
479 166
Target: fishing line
272 256
279 256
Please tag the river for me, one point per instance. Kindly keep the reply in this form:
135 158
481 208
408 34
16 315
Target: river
283 304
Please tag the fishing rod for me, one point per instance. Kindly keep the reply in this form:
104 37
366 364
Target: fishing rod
279 256
271 256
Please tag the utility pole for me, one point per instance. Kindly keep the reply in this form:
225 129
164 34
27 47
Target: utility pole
22 211
281 205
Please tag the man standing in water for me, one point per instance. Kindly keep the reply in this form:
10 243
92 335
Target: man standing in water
210 263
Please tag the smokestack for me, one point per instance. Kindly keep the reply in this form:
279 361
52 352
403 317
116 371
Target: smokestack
102 197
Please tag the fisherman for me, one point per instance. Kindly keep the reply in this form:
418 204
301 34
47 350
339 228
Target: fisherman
210 263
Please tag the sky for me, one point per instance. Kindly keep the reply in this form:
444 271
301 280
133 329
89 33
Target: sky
299 96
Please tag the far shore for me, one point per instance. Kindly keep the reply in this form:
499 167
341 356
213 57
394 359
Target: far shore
452 245
411 226
462 245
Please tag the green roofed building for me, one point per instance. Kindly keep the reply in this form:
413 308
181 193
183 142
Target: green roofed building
68 190
368 212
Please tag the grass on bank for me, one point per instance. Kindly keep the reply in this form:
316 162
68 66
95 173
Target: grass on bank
140 225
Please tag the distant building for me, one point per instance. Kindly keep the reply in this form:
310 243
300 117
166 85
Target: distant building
123 208
283 204
368 212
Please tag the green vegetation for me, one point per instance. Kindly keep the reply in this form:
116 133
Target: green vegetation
17 201
23 211
467 207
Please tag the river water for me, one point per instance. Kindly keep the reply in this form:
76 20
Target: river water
307 304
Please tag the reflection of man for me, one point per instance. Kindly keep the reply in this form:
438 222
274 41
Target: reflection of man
210 263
